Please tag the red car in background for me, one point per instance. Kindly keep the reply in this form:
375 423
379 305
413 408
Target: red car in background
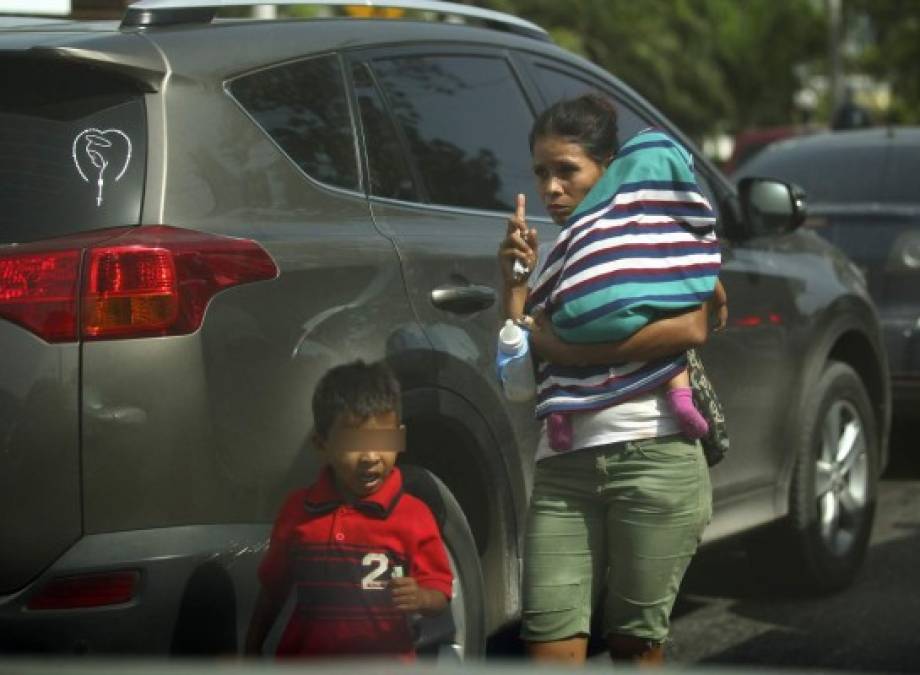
750 142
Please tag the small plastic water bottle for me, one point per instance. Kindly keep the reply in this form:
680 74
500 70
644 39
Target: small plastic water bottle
512 361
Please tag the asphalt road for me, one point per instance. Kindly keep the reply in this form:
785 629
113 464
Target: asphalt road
732 613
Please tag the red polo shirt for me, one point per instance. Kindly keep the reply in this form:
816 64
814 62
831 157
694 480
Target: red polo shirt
338 558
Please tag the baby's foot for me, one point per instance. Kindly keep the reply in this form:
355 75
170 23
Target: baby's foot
559 431
692 424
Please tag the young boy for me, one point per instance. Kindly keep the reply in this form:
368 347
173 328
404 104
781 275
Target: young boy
360 554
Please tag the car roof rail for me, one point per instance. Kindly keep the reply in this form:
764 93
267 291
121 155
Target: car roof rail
151 13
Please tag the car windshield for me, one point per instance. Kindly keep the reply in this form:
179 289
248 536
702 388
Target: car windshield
72 151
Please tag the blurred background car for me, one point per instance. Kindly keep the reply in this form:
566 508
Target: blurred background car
864 196
750 142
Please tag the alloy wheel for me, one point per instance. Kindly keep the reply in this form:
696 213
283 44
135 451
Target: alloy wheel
841 476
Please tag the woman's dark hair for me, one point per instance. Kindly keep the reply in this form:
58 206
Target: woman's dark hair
359 389
589 120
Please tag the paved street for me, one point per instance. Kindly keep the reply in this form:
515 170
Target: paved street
730 614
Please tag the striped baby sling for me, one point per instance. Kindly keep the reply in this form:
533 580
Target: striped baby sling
641 243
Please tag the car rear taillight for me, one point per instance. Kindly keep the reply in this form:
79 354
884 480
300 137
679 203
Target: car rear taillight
144 281
39 292
129 289
88 590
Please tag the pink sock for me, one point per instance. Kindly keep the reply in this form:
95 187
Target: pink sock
691 422
559 431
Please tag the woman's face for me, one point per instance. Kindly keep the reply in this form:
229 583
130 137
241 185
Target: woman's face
565 173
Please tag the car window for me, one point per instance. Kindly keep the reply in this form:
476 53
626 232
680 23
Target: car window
706 188
465 120
304 108
886 249
902 184
557 84
828 174
73 146
389 172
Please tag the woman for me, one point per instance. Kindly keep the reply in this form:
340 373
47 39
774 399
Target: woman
620 511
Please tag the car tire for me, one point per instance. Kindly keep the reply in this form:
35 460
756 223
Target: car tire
834 483
460 632
206 622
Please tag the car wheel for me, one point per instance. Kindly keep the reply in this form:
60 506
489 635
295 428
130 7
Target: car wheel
834 484
206 622
459 633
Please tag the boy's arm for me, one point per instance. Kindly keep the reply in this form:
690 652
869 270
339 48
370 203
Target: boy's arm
268 605
427 588
661 338
273 575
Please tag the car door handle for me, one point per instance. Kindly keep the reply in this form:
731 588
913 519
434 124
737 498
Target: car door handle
463 299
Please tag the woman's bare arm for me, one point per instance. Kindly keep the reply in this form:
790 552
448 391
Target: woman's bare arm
661 338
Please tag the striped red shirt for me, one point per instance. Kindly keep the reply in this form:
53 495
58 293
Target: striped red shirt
338 557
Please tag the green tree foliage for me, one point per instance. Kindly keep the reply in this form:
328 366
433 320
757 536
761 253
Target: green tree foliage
894 51
710 65
761 47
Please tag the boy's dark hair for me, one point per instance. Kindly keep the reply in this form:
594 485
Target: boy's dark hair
589 120
359 389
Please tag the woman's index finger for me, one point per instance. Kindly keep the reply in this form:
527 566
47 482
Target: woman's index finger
520 210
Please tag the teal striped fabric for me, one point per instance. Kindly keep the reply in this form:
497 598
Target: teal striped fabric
641 243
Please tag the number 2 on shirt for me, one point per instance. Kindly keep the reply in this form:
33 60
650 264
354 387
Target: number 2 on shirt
378 562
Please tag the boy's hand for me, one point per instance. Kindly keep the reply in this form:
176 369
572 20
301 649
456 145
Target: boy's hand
409 597
406 594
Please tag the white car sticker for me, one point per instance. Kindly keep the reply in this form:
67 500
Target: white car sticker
96 151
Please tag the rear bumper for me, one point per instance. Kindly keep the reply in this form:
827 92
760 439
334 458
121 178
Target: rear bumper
196 590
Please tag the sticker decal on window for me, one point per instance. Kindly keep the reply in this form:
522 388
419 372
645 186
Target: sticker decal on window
98 154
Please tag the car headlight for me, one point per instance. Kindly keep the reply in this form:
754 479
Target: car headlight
910 253
905 254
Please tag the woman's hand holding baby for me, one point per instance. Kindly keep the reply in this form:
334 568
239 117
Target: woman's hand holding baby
544 341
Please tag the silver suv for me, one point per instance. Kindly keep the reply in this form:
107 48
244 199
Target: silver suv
198 217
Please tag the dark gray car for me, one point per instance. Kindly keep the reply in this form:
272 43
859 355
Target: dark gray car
199 217
864 198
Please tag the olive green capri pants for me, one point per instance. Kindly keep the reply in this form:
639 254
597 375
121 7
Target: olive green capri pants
622 519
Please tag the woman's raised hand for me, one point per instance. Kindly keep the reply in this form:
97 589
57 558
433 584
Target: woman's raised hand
519 244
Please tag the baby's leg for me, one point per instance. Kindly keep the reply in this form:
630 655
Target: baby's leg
680 397
559 431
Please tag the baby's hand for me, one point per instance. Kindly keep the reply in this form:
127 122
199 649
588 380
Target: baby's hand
718 306
721 313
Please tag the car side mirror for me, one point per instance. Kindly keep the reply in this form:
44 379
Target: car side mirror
770 206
